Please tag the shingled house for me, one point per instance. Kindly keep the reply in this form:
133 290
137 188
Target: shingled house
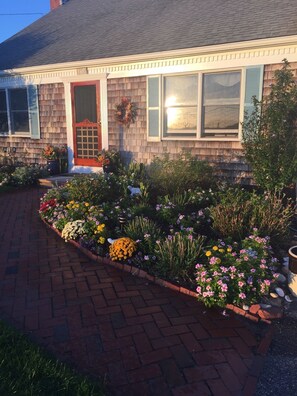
191 66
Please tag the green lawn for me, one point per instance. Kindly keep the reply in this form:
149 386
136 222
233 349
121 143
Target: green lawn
26 370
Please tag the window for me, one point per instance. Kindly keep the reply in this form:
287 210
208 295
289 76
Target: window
221 104
201 105
19 112
180 106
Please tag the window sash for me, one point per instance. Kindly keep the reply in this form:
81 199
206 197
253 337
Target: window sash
21 113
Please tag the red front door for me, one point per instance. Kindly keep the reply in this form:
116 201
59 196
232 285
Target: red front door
86 122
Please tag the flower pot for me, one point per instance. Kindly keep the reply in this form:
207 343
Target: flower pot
293 259
53 167
108 168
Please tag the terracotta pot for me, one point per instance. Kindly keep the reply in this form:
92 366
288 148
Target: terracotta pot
293 259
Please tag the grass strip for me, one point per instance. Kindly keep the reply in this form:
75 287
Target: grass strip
25 369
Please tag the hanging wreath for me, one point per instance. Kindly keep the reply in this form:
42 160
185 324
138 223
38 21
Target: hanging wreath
126 112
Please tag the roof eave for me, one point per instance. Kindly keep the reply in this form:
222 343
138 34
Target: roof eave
235 46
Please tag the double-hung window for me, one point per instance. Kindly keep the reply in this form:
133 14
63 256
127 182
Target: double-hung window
201 105
19 113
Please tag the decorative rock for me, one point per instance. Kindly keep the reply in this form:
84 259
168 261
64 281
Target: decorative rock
273 295
271 313
288 299
280 292
245 307
110 240
280 278
255 308
265 306
275 302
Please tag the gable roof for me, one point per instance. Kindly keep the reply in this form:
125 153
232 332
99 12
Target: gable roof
96 29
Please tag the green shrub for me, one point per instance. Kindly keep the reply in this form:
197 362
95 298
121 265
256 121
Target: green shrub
96 188
239 212
177 255
270 136
25 176
168 177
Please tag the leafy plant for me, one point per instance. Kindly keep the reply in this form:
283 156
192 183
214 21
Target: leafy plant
145 231
25 176
239 211
168 177
177 255
270 136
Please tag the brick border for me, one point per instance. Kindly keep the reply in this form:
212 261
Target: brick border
154 279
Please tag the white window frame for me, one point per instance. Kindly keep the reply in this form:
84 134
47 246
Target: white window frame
10 132
199 131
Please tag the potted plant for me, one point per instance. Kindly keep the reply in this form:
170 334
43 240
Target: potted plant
63 158
51 154
110 160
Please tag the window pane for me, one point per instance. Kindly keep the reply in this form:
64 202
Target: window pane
3 104
181 91
3 122
153 92
153 123
223 88
221 117
18 99
20 121
181 120
85 103
221 102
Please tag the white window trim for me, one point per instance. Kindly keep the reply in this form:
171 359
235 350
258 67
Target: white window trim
10 133
199 136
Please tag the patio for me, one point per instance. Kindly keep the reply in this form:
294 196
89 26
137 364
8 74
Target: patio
144 339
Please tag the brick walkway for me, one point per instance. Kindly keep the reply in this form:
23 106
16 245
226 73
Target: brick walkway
145 339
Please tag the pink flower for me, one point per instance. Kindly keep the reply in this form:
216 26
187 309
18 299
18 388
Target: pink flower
242 296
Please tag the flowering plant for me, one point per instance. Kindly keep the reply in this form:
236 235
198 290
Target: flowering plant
236 274
73 230
50 152
122 249
109 157
126 112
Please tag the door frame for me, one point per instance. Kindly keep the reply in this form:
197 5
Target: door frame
86 161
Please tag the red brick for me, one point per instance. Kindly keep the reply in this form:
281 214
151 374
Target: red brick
198 388
155 356
166 331
190 342
144 373
198 373
228 377
142 343
204 358
217 387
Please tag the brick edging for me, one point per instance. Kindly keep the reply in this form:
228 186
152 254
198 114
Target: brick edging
143 274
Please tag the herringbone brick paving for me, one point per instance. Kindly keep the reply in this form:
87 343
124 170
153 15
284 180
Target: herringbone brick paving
145 339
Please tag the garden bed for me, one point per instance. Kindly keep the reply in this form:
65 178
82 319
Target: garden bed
212 244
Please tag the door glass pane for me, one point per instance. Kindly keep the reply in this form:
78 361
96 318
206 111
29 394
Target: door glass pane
85 103
3 104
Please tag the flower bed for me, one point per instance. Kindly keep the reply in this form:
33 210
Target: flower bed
164 237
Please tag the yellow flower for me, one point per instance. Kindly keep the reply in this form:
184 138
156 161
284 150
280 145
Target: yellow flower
229 250
221 250
87 204
101 240
219 261
100 227
208 253
215 248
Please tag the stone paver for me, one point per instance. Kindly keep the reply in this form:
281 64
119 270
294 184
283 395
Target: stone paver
144 339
